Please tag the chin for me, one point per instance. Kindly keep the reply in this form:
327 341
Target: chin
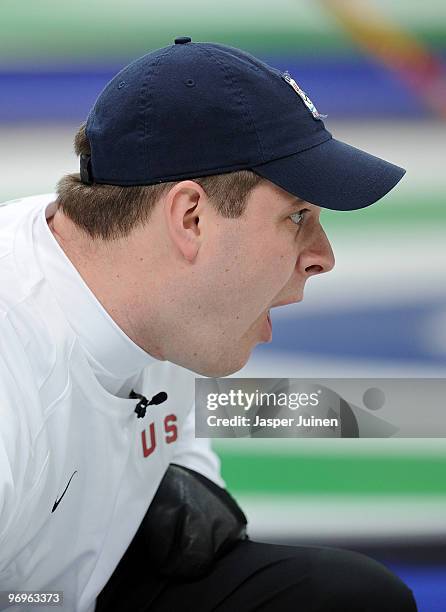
222 368
213 371
232 366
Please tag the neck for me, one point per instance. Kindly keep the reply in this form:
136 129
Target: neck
109 272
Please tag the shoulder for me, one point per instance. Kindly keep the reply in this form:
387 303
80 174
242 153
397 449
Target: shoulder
29 315
18 266
14 404
15 378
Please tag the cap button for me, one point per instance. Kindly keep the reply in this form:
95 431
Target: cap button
181 40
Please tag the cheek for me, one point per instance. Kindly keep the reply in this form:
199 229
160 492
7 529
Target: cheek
278 264
248 274
270 272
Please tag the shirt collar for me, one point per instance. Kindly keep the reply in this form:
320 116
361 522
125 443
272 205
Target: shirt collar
110 351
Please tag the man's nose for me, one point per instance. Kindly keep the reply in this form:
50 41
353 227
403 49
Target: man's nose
318 257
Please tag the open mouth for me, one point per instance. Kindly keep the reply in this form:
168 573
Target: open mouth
267 329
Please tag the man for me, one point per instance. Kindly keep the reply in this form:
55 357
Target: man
196 211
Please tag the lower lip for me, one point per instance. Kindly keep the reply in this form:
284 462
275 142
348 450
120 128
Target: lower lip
267 329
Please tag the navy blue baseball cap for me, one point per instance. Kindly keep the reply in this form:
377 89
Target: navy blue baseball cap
194 109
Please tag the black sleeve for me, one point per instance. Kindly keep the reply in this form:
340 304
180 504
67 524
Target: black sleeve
190 523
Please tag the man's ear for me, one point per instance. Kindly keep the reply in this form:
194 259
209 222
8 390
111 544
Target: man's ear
182 208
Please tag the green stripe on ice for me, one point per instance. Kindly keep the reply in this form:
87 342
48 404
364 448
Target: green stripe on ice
334 474
60 32
394 211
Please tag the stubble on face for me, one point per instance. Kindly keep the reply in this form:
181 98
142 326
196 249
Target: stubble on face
251 260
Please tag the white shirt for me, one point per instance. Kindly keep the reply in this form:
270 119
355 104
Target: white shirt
66 369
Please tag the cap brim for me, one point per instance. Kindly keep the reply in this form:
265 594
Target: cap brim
333 175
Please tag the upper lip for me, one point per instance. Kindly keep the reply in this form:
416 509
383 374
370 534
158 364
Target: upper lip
286 302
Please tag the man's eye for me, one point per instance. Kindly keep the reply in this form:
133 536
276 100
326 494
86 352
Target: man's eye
298 217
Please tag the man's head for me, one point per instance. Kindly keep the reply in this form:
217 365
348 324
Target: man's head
192 268
187 219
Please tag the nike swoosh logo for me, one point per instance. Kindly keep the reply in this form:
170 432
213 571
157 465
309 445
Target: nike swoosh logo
57 502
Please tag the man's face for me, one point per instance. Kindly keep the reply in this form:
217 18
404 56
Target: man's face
243 268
